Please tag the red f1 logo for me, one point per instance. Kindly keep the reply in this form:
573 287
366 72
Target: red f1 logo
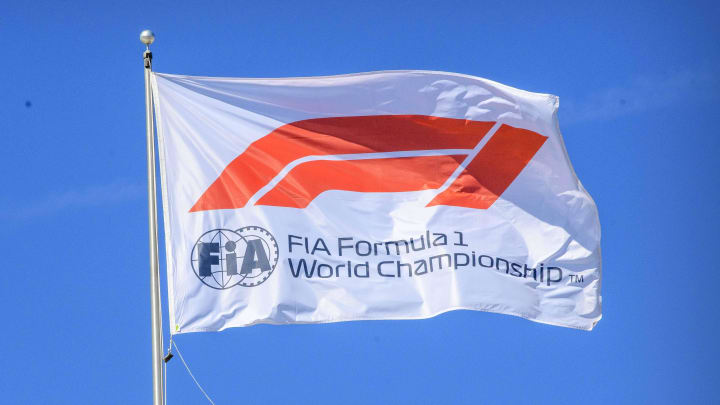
384 153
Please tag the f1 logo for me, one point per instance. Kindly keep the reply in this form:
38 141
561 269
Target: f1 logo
471 162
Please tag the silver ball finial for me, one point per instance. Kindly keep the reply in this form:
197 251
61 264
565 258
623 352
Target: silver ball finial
147 37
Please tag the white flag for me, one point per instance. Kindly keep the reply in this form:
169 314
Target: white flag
386 195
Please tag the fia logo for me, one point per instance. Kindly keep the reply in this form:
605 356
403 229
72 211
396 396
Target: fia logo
223 258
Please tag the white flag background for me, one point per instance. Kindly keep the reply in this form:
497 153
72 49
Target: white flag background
386 195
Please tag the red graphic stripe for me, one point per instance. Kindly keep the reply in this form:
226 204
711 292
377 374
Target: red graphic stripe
266 157
493 170
307 180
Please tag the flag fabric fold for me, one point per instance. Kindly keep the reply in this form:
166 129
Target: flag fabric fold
382 195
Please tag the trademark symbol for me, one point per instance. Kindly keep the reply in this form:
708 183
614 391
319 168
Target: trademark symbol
576 278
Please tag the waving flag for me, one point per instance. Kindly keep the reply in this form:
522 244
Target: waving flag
387 195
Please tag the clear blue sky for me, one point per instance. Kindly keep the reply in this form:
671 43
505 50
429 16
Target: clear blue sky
639 89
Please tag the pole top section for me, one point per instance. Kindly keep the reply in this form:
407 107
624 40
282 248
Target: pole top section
147 37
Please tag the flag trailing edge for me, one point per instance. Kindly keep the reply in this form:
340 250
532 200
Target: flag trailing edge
381 195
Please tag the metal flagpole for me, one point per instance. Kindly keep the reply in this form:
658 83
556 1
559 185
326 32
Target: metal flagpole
147 38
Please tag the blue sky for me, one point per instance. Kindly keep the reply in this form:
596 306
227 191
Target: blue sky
639 89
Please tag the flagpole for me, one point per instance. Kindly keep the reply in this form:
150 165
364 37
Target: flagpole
147 38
